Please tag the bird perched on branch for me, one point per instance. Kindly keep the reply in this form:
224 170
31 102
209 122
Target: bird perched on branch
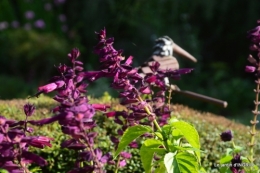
163 54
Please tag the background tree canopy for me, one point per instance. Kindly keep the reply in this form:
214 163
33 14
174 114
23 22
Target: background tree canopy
213 31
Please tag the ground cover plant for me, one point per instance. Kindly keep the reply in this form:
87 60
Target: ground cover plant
165 143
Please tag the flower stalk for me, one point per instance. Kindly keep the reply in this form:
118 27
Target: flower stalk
254 60
254 122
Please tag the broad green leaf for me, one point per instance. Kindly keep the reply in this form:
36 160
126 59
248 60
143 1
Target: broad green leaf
190 134
250 168
202 170
177 134
159 135
226 159
161 168
168 162
149 147
172 120
229 151
166 131
224 169
185 162
186 148
131 134
3 171
238 149
245 159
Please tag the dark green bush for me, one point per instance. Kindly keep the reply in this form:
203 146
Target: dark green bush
31 55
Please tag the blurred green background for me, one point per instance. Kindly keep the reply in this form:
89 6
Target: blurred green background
35 35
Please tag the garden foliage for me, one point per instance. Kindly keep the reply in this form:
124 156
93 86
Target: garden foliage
167 144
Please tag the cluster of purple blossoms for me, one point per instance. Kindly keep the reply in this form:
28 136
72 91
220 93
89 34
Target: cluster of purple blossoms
254 57
75 114
236 163
15 143
132 86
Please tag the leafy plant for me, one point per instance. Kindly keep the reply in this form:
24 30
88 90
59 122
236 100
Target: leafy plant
233 161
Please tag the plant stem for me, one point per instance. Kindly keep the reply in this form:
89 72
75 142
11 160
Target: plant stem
95 159
149 113
170 96
254 122
117 164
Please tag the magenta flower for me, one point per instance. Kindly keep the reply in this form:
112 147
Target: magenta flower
122 163
2 120
254 36
100 107
29 14
38 141
125 155
250 69
28 109
51 86
39 24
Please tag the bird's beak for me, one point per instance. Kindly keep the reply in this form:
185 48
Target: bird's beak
178 50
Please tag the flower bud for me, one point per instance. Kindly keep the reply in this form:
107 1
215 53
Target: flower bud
2 120
250 69
28 109
226 136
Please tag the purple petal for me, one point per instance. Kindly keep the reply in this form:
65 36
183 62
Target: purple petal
250 69
145 90
2 120
28 109
47 88
100 107
122 163
110 114
34 158
129 60
125 155
74 54
155 66
150 79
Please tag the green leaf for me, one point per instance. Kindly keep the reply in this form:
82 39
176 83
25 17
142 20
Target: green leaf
229 151
190 134
224 169
202 170
245 159
177 134
166 131
250 167
3 171
161 168
185 162
168 162
172 120
226 159
238 149
149 147
159 135
186 148
131 134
